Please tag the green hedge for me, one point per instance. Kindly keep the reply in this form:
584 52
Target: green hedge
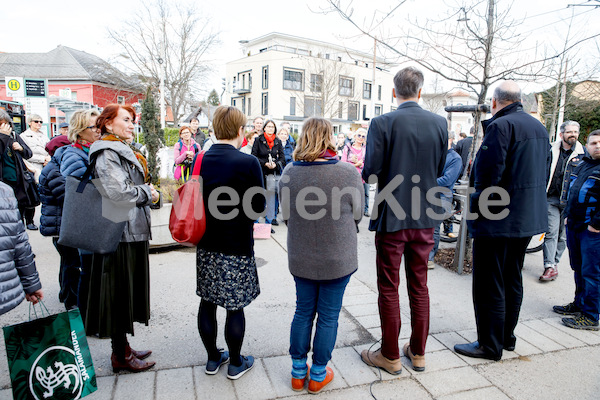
171 136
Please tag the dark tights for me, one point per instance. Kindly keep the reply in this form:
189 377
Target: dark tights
235 327
119 345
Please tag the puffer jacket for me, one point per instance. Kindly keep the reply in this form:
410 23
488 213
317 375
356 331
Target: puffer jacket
18 274
120 177
52 195
73 162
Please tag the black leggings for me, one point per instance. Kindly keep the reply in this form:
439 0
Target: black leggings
235 327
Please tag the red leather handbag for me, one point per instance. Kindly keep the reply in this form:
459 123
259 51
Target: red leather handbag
187 222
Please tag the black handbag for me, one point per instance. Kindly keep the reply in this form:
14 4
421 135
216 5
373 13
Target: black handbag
31 190
90 221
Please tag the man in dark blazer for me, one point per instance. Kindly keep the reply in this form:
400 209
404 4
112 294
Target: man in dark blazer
511 164
406 152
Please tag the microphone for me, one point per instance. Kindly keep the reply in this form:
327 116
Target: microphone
469 108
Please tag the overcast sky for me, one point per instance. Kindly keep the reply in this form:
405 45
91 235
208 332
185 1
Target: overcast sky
41 25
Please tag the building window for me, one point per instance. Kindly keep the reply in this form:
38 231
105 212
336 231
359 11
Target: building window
352 110
346 86
292 106
379 93
340 109
264 110
327 56
249 106
378 109
244 105
312 107
293 79
366 90
364 112
316 82
120 100
265 77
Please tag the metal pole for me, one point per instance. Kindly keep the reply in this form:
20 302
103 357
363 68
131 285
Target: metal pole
373 86
563 99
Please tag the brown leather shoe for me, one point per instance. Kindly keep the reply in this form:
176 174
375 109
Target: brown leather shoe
376 359
549 274
139 354
418 362
131 363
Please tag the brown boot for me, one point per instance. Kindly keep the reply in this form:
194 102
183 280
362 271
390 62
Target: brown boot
139 354
376 359
418 362
130 363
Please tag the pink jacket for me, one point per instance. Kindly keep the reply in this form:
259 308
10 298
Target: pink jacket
360 154
179 155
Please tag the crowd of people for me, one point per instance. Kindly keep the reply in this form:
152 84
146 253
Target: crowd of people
534 186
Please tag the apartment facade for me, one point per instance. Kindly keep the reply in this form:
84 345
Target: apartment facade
289 78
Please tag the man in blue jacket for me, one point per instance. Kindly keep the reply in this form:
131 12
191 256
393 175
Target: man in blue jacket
509 178
449 177
583 239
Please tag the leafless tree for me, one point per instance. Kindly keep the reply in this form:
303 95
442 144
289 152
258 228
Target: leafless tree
434 99
173 38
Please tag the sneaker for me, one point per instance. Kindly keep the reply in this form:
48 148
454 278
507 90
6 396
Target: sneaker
32 227
234 372
274 223
430 264
376 359
418 362
569 309
212 367
366 214
297 383
581 322
550 274
315 387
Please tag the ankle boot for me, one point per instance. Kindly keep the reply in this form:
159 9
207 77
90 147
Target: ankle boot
139 354
130 363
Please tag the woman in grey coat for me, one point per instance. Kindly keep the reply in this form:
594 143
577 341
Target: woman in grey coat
18 276
323 260
119 292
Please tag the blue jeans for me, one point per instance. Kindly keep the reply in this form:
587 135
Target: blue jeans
447 204
315 297
584 252
271 186
555 241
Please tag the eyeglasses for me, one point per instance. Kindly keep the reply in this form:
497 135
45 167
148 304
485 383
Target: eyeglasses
37 122
93 128
361 136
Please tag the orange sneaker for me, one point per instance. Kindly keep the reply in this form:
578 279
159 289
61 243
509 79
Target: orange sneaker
315 387
298 384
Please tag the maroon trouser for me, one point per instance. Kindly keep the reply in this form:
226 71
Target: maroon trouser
415 244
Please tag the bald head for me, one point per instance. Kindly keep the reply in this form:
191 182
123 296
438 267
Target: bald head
506 93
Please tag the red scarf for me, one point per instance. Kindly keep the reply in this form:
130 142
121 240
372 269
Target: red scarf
329 155
270 139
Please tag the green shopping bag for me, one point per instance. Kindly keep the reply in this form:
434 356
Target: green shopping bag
49 358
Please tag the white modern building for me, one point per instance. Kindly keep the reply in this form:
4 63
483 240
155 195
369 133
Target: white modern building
289 78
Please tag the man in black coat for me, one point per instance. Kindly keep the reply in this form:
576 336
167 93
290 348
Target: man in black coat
406 152
463 148
509 178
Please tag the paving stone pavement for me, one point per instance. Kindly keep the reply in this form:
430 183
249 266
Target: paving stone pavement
550 361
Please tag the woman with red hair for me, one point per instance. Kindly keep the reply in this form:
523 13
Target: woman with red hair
119 291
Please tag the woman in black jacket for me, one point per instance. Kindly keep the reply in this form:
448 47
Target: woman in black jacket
269 151
12 152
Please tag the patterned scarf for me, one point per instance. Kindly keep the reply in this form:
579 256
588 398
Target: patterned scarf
82 144
270 139
140 157
329 154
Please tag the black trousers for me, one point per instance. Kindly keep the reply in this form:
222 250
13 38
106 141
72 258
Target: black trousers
497 290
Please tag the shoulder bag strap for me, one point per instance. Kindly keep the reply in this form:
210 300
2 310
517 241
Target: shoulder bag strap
197 165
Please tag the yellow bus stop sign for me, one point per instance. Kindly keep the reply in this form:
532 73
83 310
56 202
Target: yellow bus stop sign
14 85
